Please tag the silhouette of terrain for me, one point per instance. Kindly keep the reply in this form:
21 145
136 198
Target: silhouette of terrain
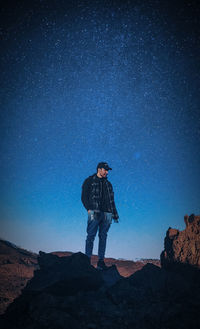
125 267
17 267
68 292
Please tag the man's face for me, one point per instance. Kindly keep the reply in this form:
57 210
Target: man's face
103 172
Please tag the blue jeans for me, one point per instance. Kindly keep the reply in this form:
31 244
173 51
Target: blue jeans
97 220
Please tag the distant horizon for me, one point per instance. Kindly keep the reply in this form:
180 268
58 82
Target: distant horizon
16 240
68 251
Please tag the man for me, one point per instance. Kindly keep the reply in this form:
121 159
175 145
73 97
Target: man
98 199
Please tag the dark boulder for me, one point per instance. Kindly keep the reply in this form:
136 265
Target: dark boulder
64 275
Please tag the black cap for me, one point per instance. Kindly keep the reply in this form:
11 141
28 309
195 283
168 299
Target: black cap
103 165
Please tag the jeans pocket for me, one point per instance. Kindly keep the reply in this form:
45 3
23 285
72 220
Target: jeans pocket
91 215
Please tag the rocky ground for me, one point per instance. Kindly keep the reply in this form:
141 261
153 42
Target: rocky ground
125 267
17 267
68 292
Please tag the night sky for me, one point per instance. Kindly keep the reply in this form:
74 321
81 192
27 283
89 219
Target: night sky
90 81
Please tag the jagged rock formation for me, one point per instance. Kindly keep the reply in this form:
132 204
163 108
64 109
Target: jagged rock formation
183 247
69 275
17 267
68 292
125 267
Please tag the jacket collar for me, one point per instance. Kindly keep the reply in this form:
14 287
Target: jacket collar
100 179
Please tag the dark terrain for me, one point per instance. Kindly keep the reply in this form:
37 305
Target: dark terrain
67 292
17 266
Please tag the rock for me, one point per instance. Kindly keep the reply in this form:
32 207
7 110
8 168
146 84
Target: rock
64 275
62 291
150 298
17 267
183 247
110 276
68 292
91 326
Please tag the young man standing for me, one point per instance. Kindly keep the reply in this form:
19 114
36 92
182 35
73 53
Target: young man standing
98 199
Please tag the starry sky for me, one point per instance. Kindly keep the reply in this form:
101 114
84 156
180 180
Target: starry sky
90 81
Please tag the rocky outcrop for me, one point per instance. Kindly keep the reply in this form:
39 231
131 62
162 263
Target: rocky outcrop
17 267
183 247
125 267
60 293
69 275
68 292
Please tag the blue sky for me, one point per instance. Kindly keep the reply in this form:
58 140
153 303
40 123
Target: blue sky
84 83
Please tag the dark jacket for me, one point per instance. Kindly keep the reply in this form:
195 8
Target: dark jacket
92 196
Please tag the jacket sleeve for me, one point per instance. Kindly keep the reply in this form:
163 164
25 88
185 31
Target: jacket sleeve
113 206
85 193
115 213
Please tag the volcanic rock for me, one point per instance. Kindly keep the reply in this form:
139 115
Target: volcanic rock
183 247
64 275
17 267
68 292
59 292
